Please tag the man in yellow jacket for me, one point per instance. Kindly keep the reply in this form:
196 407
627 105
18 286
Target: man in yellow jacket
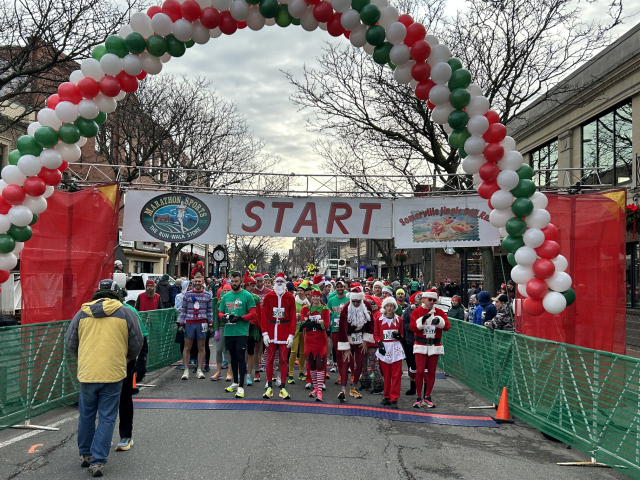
104 335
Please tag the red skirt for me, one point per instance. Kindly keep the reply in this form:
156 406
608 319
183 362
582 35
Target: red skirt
315 343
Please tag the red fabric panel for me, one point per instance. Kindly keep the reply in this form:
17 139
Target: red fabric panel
592 238
70 252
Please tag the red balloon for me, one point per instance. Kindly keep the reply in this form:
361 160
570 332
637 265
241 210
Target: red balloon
423 88
533 306
489 204
4 275
172 8
536 288
495 133
334 27
228 25
489 171
550 232
420 50
322 12
549 249
153 11
63 166
53 100
492 116
405 19
347 33
128 83
415 32
543 268
190 10
68 92
210 18
88 87
4 206
430 105
421 71
493 152
486 189
242 25
51 176
141 75
313 2
34 186
109 86
13 194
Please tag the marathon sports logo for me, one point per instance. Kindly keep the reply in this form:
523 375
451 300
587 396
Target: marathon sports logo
175 218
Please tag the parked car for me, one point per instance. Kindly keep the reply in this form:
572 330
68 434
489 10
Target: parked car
136 283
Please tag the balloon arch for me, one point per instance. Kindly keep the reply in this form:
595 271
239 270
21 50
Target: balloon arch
152 38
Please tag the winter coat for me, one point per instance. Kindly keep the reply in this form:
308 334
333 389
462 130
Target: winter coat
502 320
406 325
456 312
163 288
485 311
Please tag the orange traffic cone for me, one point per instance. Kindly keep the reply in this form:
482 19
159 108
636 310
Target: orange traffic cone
135 388
503 406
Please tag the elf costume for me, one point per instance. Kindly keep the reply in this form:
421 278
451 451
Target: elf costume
316 319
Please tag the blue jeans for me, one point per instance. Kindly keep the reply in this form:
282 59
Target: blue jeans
103 399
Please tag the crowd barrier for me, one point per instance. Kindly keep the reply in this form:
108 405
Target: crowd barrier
588 399
38 373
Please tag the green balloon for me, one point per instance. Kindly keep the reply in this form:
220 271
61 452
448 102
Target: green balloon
88 128
134 43
253 2
115 44
525 172
14 156
46 137
375 35
516 226
283 19
157 45
381 53
370 14
458 137
98 52
20 234
358 5
295 21
175 47
525 188
512 244
189 43
458 119
101 118
7 243
511 258
570 295
462 153
35 219
69 133
522 207
455 64
460 78
269 8
459 98
28 146
392 65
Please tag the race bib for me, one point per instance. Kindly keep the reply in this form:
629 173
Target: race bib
336 322
298 318
278 313
204 327
315 318
356 337
430 331
388 334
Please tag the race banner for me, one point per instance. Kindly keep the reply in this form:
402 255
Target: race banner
443 222
311 217
175 217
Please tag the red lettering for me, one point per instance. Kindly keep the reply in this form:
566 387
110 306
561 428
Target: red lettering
337 219
303 222
369 207
248 211
281 206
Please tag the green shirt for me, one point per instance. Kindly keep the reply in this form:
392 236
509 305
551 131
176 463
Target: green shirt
237 304
335 306
415 286
145 333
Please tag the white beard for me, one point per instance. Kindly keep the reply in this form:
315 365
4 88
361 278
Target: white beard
357 316
280 289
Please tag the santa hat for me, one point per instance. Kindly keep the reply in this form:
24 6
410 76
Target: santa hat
318 280
258 276
248 279
415 298
389 300
280 278
373 299
433 293
315 291
370 279
356 293
378 283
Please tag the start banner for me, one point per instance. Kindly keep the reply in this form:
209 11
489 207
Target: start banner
443 222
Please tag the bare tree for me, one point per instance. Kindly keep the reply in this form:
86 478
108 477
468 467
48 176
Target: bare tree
286 262
310 251
247 249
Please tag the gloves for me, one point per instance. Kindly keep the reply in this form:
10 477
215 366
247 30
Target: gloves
233 319
425 318
289 341
435 321
225 318
308 325
381 348
397 336
210 329
216 336
181 328
265 339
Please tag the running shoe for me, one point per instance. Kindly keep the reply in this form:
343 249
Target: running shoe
302 378
313 393
85 460
284 394
268 393
333 370
393 405
319 396
339 381
278 382
327 376
249 382
225 364
257 377
185 375
308 386
354 393
324 387
417 403
231 388
125 444
216 376
199 374
97 470
240 392
376 391
228 379
290 380
385 401
342 397
428 403
205 367
297 362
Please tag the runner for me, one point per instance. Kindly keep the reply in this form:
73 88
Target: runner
260 356
316 320
254 341
335 304
197 319
409 340
297 349
278 324
388 334
371 374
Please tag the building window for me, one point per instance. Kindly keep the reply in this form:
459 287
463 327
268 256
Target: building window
142 267
606 147
544 161
334 253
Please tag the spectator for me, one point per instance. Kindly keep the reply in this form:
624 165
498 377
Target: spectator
511 290
442 290
163 288
175 290
199 268
473 290
502 319
473 304
456 310
413 286
149 300
485 311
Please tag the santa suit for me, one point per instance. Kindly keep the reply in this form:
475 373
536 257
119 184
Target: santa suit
391 361
351 336
279 323
428 344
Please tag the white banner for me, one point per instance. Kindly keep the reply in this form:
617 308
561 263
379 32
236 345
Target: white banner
311 217
175 217
443 222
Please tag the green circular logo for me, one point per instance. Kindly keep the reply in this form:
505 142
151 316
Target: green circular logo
175 217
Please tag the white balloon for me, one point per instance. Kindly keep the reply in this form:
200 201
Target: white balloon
162 24
339 6
18 248
439 94
88 109
297 8
522 288
256 21
5 224
8 261
20 215
182 29
447 128
91 68
388 15
508 144
478 125
380 3
221 5
323 26
47 118
204 3
29 165
358 37
141 23
152 65
70 153
396 33
239 10
441 73
270 22
400 54
81 143
478 106
12 175
474 145
36 204
539 200
402 74
499 218
474 90
120 96
554 302
105 104
166 57
526 256
439 53
476 180
413 83
560 263
440 114
132 64
539 218
307 21
472 163
282 2
111 64
215 32
67 112
201 33
2 185
533 237
49 191
368 48
503 232
125 30
50 158
508 179
432 40
511 161
502 199
521 274
31 129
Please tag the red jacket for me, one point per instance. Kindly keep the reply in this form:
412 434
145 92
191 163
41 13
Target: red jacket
315 341
380 328
423 344
278 329
345 329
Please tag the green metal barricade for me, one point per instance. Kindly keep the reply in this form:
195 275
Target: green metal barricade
161 325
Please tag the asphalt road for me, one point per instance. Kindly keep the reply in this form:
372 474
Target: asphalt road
220 444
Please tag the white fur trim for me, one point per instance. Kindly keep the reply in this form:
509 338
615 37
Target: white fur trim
429 295
389 300
441 322
367 337
356 296
378 283
344 346
428 349
419 324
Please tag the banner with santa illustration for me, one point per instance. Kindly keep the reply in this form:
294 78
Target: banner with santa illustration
443 222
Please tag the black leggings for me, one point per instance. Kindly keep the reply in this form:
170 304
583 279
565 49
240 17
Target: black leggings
237 347
411 358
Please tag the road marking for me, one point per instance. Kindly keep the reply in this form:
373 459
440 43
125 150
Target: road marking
34 448
31 434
